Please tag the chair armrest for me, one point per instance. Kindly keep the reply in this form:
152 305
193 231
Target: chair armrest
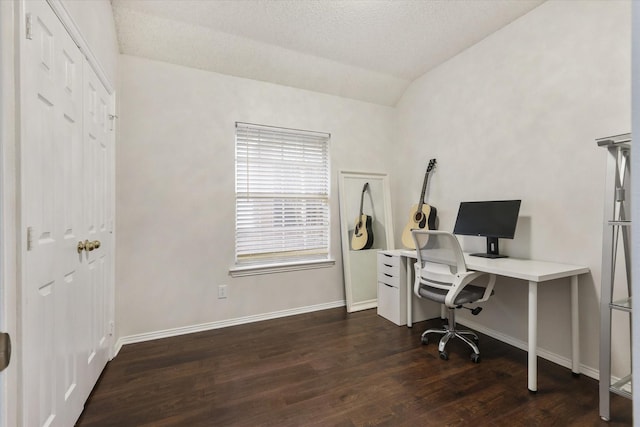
416 282
464 279
488 288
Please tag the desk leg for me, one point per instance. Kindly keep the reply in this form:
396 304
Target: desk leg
409 293
575 328
533 337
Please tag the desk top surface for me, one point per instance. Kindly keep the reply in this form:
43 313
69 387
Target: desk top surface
525 269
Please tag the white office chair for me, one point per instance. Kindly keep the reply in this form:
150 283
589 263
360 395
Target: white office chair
441 275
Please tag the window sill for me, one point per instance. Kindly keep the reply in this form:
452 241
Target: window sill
253 270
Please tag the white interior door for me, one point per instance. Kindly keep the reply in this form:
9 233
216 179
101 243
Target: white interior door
65 155
97 221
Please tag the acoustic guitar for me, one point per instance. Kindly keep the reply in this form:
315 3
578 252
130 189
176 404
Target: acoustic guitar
362 234
422 216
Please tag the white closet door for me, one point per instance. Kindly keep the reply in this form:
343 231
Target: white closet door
98 154
64 175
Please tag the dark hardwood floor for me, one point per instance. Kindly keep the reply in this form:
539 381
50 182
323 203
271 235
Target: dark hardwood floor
331 368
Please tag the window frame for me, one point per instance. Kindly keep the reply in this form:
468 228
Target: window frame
252 264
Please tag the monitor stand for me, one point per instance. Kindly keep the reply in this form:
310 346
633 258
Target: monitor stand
492 249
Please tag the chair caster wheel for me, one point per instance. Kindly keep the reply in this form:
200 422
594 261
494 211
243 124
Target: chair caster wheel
475 358
424 340
444 355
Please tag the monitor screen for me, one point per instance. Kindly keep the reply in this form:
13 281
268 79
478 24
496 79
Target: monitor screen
489 219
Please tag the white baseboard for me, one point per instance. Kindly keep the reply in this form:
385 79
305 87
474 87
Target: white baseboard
131 339
364 305
523 345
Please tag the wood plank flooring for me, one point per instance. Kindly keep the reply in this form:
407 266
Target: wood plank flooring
332 368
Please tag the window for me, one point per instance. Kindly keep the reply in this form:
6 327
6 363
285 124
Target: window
282 197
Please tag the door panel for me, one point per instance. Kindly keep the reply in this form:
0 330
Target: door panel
97 145
51 123
65 295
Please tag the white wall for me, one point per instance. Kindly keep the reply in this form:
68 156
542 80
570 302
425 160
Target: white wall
175 192
516 116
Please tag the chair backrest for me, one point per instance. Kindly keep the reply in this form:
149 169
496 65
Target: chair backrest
440 257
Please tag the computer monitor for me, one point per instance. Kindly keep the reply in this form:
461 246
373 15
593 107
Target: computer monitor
491 219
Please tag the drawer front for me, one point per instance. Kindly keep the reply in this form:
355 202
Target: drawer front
389 303
391 270
389 260
388 278
388 267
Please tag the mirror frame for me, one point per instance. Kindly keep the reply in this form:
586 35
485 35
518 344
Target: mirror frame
351 183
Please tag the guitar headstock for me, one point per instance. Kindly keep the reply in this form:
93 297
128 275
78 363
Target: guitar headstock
432 164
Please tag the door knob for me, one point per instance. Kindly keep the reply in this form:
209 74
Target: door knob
5 350
88 246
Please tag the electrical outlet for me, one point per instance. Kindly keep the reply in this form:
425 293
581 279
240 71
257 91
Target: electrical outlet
222 291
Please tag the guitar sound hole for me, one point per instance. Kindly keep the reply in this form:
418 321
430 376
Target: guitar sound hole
419 217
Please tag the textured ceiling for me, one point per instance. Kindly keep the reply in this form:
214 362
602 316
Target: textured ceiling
369 50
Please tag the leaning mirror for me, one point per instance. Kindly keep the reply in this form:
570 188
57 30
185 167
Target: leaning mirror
366 228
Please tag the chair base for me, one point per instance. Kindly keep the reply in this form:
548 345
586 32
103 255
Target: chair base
448 332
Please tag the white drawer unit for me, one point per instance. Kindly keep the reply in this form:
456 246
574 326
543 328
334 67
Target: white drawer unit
392 287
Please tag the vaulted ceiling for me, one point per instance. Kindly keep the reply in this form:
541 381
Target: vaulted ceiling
369 50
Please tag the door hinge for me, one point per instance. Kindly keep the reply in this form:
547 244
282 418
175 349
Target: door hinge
29 25
113 118
29 238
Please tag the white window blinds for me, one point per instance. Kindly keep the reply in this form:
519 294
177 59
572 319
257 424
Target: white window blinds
282 195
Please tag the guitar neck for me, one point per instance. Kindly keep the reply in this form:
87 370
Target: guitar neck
364 189
424 190
432 163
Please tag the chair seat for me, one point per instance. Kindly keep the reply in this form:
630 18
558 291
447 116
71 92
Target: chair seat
469 294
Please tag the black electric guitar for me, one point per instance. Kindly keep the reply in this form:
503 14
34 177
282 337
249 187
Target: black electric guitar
422 216
362 234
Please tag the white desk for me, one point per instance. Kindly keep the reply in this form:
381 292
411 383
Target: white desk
534 272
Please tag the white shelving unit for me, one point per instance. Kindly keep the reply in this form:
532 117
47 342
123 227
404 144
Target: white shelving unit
616 230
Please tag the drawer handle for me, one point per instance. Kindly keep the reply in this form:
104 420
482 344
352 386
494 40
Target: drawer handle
388 286
388 265
388 275
387 255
